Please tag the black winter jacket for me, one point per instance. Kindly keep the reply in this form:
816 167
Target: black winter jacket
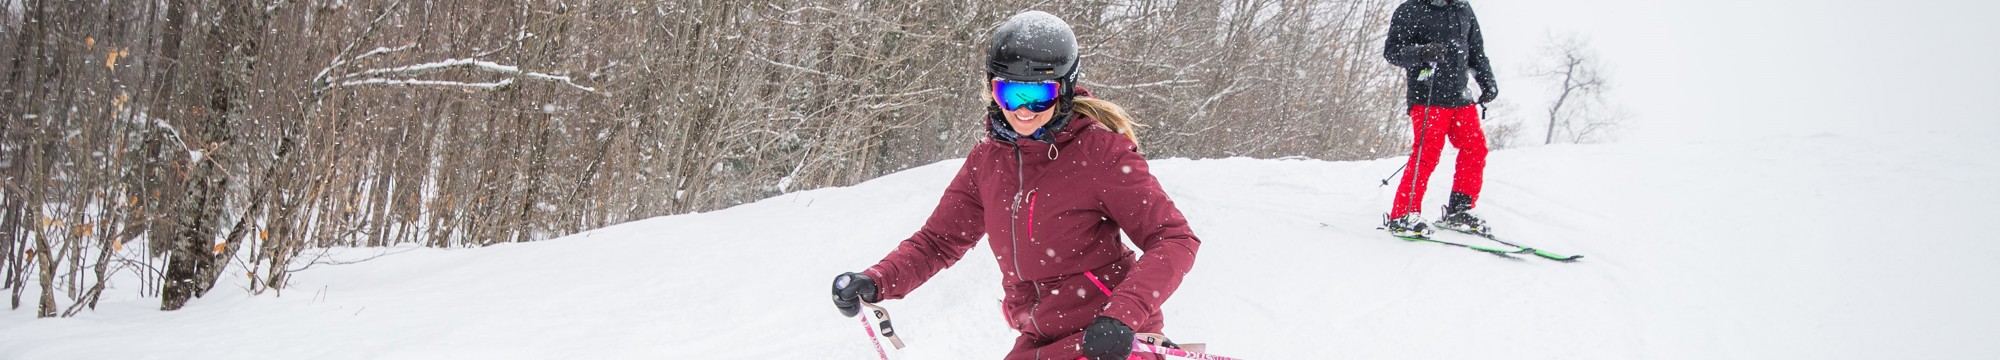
1421 23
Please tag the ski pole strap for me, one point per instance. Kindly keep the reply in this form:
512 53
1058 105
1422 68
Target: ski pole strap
1100 283
888 331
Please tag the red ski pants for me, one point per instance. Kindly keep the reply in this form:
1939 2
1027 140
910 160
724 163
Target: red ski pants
1433 126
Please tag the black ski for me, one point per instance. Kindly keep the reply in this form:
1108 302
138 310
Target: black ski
1489 250
1518 249
1526 250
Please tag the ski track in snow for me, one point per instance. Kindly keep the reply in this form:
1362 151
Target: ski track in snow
1783 248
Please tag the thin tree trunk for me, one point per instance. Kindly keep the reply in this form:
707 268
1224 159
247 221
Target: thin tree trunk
194 267
1568 84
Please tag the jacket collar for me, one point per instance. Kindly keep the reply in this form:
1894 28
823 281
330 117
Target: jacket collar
1444 3
1050 149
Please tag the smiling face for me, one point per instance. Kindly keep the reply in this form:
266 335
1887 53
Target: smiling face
1019 100
1025 121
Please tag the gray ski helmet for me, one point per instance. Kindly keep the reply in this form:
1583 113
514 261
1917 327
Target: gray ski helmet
1032 46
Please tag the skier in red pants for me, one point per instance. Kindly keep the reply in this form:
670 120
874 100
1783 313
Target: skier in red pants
1438 44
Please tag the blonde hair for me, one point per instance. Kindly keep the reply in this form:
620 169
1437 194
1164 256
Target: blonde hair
1109 114
1106 112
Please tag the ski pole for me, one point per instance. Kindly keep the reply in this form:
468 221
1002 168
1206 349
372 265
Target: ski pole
1153 343
1430 68
1399 170
1139 346
1417 153
871 338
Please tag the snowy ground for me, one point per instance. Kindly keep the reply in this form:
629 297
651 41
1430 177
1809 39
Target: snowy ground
1800 247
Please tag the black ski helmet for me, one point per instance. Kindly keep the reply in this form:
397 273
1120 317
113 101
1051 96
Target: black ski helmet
1032 46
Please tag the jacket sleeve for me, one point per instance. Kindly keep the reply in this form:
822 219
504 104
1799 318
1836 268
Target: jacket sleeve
1401 47
1476 50
954 227
1135 200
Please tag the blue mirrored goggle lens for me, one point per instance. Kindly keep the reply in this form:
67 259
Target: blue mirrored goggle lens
1036 96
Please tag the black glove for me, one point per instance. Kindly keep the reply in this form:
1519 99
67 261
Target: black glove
1487 93
1439 52
1431 53
1107 339
850 289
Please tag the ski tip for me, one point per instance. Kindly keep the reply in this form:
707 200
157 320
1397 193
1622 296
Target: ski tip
1567 259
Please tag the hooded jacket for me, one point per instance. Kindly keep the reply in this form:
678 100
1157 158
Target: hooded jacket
1052 211
1451 24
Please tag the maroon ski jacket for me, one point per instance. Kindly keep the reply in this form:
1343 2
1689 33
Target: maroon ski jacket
1053 211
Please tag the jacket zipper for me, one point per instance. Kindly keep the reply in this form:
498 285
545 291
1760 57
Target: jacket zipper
1021 193
1014 215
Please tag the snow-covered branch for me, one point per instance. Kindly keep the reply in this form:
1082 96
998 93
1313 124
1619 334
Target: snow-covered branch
340 60
900 95
800 68
1174 82
390 76
383 50
414 82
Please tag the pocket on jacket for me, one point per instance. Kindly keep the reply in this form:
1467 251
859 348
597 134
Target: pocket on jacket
1010 309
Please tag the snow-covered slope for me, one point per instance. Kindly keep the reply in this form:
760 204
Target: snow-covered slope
1808 247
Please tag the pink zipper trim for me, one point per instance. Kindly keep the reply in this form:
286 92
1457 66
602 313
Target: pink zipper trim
1031 221
1100 284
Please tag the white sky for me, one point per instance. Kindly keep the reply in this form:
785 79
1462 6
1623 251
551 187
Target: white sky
1701 70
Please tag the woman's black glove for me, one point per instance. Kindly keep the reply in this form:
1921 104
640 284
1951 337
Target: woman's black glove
1107 339
850 289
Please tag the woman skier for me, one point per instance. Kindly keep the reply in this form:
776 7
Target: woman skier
1052 185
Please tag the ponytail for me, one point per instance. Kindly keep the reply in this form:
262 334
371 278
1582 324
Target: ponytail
1109 114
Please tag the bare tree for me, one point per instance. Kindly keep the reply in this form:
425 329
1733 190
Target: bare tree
1579 111
176 139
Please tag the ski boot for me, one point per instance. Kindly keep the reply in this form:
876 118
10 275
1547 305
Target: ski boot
1410 225
1458 217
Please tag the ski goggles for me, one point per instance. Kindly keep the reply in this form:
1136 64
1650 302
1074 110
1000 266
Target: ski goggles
1036 96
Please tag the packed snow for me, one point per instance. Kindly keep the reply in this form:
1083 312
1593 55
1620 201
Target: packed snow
1816 246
